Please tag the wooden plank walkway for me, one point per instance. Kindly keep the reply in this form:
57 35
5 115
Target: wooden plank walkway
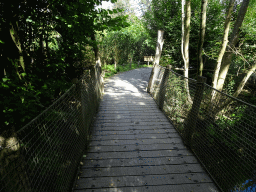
134 147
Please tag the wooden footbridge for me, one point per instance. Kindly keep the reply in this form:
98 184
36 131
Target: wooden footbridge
134 147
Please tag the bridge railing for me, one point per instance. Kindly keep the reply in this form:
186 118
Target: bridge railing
45 154
218 128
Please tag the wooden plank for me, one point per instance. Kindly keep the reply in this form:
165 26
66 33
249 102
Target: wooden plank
128 162
170 141
122 124
135 127
202 187
141 154
105 114
143 147
140 170
132 137
131 120
101 132
142 180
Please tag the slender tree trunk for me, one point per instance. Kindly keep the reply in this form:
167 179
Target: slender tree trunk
182 29
201 37
115 64
186 46
16 39
233 40
245 79
186 36
238 90
224 44
159 46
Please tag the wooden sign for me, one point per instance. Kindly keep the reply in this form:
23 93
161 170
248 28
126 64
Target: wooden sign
148 58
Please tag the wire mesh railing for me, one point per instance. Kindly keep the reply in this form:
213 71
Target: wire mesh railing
218 128
45 154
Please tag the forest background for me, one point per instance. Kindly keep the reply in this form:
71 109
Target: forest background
46 45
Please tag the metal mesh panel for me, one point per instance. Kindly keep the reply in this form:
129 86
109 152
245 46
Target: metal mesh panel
178 101
219 128
44 155
225 140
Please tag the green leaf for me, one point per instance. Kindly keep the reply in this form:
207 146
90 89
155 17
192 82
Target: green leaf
1 42
29 20
22 99
5 79
23 74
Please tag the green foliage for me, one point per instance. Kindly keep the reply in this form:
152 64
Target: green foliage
125 45
55 41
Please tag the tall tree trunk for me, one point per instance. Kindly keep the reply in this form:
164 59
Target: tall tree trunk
186 36
200 64
182 29
233 40
224 44
159 46
186 46
16 39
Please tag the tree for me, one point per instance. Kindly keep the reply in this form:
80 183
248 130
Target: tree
201 37
224 43
223 46
182 28
186 45
44 45
225 64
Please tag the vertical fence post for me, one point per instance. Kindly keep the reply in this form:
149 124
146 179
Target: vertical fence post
193 114
150 80
163 86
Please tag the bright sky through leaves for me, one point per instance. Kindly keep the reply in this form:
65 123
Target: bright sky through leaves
134 3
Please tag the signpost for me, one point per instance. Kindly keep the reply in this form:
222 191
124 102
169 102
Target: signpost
149 59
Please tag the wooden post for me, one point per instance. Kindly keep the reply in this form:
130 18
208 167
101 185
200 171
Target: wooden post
163 86
193 114
150 80
101 81
148 63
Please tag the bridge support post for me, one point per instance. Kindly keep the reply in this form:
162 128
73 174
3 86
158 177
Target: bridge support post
150 80
163 86
190 126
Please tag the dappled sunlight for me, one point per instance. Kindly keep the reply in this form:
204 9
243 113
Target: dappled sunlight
134 147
